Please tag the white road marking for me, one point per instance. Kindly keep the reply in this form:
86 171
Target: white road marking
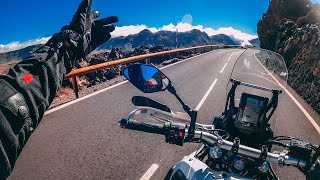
223 68
230 57
313 122
206 95
153 168
110 87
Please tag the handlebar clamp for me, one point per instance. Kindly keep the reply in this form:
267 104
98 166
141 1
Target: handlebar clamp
235 146
282 157
263 155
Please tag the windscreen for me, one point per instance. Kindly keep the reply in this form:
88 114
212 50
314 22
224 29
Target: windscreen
261 71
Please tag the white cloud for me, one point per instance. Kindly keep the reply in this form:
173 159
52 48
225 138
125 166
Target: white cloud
129 30
185 27
18 45
134 29
237 34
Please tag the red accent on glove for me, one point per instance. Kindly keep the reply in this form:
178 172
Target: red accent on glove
27 78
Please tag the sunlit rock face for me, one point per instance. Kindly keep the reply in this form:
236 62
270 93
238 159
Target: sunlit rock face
291 28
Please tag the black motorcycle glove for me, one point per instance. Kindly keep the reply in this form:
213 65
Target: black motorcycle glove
101 30
83 35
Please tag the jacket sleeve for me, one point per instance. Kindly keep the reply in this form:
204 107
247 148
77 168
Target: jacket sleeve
25 94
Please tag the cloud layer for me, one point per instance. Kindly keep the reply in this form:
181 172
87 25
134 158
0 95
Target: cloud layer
134 29
184 27
18 45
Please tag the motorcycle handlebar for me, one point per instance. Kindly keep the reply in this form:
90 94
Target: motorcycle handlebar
281 159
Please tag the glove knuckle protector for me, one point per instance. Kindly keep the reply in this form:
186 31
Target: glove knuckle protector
15 108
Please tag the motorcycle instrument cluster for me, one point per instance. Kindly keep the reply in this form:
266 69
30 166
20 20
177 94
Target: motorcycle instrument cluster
251 113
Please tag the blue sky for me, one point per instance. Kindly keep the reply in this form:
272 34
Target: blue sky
28 20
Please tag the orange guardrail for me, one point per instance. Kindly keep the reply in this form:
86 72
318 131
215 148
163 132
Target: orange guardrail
77 72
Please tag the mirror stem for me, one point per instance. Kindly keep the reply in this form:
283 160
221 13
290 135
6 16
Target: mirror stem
173 91
192 113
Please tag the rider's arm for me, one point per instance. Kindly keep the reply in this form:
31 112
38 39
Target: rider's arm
30 86
26 92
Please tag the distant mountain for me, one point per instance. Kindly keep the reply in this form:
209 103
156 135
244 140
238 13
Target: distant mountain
224 39
165 38
255 42
17 55
143 38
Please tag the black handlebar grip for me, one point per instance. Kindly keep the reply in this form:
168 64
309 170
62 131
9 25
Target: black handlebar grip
142 126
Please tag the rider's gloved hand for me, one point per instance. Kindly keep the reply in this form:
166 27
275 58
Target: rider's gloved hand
101 30
83 34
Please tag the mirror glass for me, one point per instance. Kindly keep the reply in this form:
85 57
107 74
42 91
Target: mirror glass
147 78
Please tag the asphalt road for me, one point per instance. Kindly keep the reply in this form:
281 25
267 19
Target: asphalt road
83 140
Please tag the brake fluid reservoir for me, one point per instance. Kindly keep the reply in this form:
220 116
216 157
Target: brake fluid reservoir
239 165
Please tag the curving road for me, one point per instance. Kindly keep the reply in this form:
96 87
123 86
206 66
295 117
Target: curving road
83 140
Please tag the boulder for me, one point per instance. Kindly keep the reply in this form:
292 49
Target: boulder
115 54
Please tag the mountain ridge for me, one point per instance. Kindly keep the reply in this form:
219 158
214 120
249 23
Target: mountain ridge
165 38
143 38
18 55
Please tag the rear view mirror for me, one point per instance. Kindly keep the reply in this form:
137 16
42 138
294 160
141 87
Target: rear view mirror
146 78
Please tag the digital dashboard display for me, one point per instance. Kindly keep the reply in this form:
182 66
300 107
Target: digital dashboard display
251 107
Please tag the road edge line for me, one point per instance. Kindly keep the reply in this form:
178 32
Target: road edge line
305 112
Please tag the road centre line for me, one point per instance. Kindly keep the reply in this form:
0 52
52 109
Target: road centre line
230 57
309 117
153 168
223 68
110 87
226 63
206 95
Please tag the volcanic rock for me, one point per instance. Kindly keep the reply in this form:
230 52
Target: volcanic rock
291 28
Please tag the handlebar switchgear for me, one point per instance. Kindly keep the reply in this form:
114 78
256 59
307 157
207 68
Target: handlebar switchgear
175 133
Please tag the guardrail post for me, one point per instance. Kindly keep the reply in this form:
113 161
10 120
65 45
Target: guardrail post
75 86
148 61
211 48
204 50
177 55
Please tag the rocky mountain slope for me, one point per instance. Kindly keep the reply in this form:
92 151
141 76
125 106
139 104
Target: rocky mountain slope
144 38
167 39
224 39
255 42
291 28
17 55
